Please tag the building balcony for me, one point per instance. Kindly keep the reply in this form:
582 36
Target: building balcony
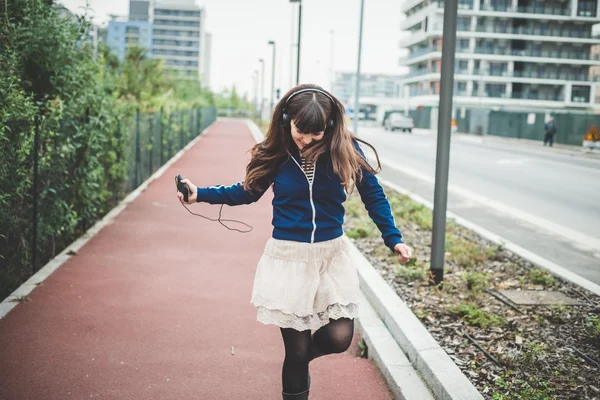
178 35
531 31
562 76
497 95
537 96
176 27
487 74
560 54
418 53
537 9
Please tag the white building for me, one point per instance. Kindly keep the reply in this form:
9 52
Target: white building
178 37
371 85
510 54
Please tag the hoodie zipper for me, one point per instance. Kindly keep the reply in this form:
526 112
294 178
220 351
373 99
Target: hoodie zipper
312 203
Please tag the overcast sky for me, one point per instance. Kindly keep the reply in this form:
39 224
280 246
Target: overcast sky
242 28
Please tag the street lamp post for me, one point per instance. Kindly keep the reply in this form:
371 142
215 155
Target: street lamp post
262 87
357 94
255 90
299 37
272 42
331 73
440 197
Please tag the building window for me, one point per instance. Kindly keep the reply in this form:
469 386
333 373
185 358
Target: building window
580 94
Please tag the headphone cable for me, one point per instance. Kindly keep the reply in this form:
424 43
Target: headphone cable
219 220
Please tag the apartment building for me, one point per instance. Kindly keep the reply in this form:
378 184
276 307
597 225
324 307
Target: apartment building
510 54
178 33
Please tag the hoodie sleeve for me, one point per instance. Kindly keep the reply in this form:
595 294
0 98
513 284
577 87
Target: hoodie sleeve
378 206
233 195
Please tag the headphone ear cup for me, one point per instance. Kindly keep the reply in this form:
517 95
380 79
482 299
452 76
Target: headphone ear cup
285 120
330 125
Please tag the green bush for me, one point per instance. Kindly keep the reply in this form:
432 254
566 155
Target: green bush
48 73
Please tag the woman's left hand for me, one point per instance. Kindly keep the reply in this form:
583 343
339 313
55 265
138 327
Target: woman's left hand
403 252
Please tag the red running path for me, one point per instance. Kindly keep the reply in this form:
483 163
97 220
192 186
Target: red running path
151 307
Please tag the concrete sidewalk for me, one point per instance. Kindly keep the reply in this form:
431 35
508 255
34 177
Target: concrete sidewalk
157 305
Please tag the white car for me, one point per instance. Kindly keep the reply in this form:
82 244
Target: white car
398 121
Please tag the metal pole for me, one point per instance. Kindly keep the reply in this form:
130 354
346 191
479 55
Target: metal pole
181 143
36 146
162 137
331 73
357 94
170 133
443 143
272 77
292 47
299 40
255 93
151 151
137 149
262 88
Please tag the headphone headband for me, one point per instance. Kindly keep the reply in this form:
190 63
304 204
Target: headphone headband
285 118
310 90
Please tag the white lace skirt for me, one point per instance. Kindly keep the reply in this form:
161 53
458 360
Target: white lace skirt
304 285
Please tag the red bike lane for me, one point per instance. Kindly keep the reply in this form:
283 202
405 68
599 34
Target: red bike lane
157 305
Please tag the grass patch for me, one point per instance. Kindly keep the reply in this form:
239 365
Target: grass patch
410 211
592 327
477 281
520 389
463 252
410 273
475 316
540 277
360 225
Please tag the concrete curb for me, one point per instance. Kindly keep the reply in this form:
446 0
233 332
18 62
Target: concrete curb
526 254
437 369
400 375
26 288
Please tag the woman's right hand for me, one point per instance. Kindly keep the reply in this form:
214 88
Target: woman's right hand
192 196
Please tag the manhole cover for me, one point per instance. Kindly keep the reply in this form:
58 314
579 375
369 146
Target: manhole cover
538 297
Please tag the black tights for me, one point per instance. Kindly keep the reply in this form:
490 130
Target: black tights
301 348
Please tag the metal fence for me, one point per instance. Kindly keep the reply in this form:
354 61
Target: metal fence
152 139
570 127
155 138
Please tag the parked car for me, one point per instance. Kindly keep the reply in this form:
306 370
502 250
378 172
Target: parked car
398 121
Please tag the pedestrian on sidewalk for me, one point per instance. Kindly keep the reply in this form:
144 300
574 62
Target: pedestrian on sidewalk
306 279
550 130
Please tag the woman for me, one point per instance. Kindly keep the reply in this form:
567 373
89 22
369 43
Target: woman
306 280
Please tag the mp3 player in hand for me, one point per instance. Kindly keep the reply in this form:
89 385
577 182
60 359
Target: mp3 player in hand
182 187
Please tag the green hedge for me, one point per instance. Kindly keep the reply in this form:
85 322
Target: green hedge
84 105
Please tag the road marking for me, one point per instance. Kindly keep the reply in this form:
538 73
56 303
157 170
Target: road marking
580 240
526 254
513 161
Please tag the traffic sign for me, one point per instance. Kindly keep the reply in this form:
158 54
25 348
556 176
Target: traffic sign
592 135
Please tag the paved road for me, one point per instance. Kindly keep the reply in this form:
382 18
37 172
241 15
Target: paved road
545 202
151 307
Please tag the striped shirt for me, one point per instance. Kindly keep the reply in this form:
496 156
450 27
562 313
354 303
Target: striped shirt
309 169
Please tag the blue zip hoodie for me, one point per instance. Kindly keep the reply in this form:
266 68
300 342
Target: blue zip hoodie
305 212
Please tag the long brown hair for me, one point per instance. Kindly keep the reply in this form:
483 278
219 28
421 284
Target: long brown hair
311 112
